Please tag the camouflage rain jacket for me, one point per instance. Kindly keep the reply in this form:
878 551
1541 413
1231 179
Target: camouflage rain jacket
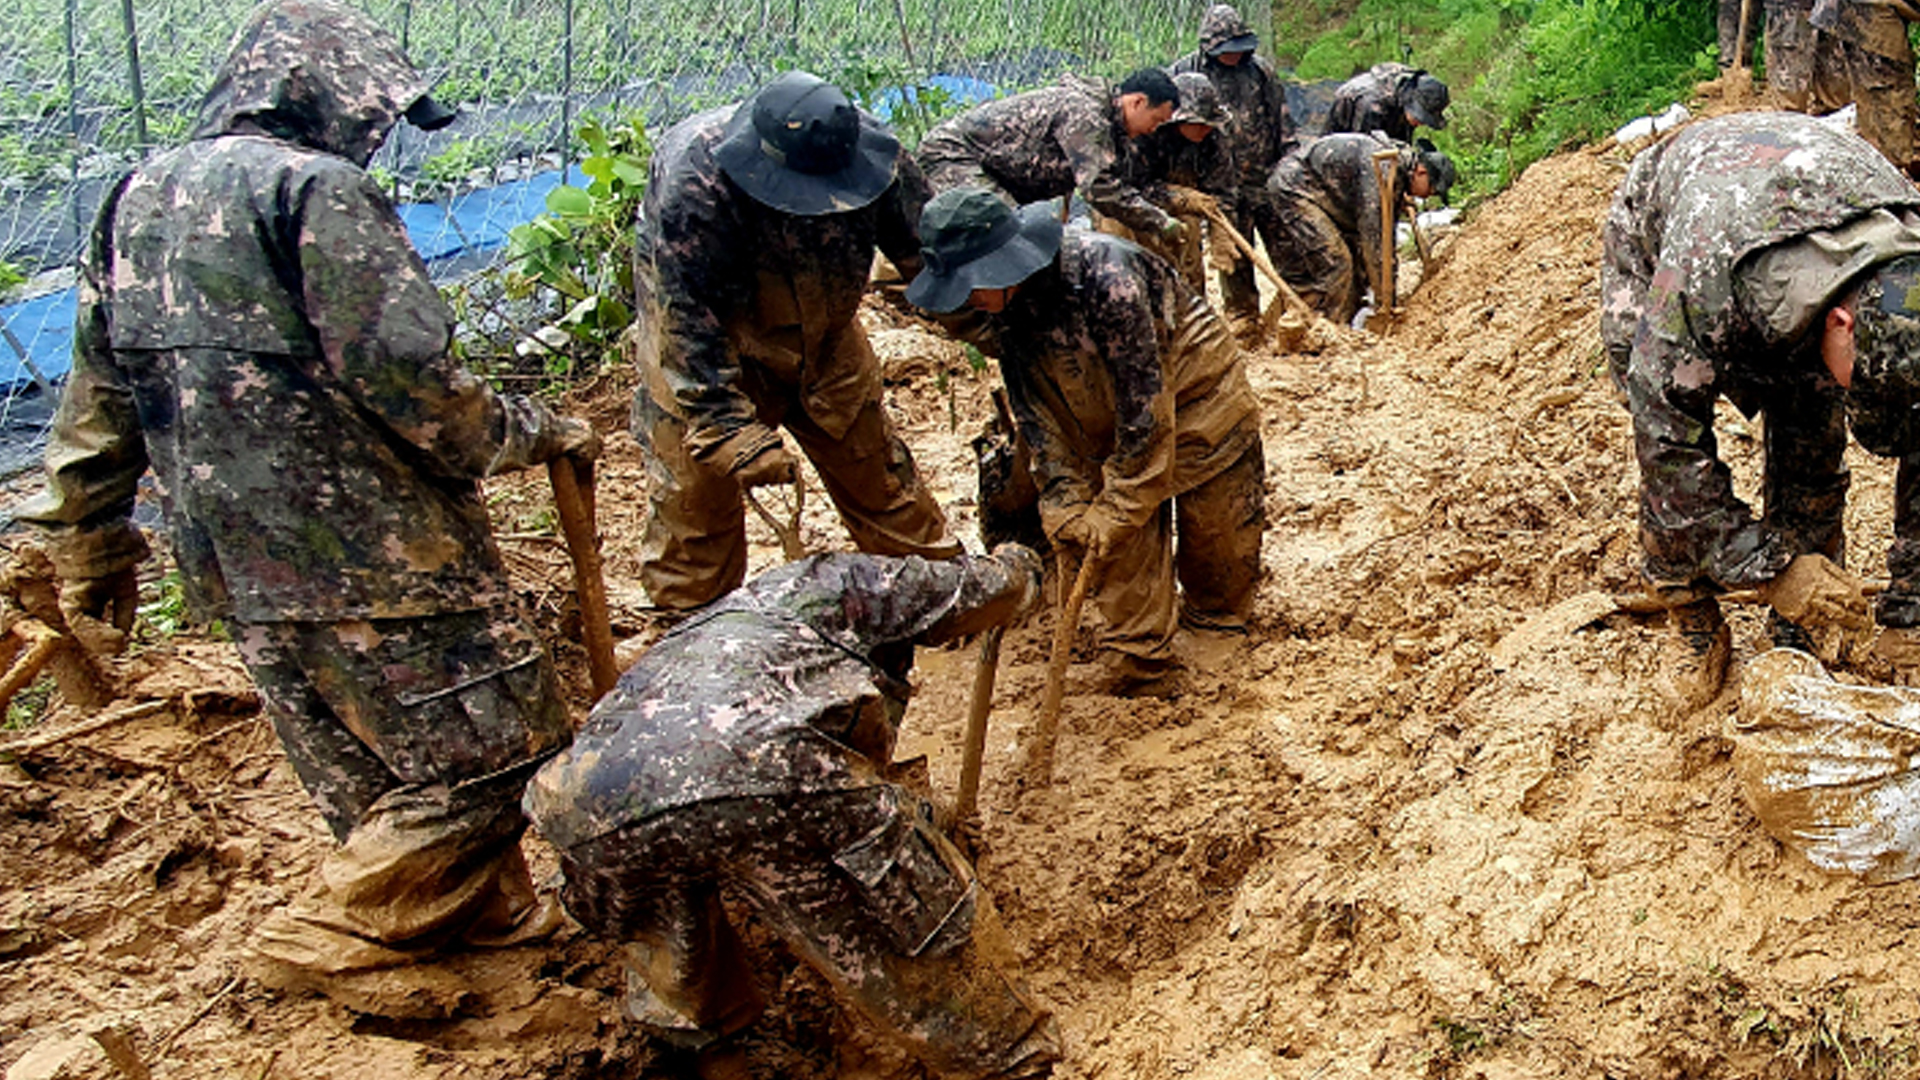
1123 381
738 279
1262 130
1370 101
1686 318
1335 173
792 684
254 324
1047 143
1168 157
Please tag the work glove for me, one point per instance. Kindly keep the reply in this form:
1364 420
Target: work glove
1899 648
1188 201
1094 531
1222 255
1815 592
1027 567
1174 232
770 466
578 440
99 611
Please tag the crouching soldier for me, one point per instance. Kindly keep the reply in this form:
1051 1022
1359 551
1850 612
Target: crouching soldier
1327 199
747 752
1134 400
1771 260
254 325
755 243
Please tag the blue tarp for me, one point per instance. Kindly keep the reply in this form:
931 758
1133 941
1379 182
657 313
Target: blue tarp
474 223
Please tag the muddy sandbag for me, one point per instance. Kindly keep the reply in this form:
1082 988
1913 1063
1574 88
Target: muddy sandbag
1829 766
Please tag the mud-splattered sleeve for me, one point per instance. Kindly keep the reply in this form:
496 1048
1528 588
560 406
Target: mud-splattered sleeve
1100 172
898 232
384 332
884 601
96 452
1138 476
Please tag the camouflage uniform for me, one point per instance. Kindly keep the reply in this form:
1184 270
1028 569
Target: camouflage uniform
1370 101
752 325
1723 250
1133 399
748 751
254 325
1045 144
1874 55
1261 132
1167 157
1328 203
1797 57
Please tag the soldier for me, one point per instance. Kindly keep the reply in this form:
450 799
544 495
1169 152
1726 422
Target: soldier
1058 140
1188 156
1134 401
755 243
749 750
1261 132
254 325
1391 98
1770 259
1327 199
1872 53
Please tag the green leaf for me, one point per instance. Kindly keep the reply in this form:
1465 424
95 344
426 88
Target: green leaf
569 201
630 171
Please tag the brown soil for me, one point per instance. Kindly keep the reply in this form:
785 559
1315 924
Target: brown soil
1368 842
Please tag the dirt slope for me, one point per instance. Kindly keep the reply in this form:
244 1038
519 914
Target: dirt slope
1360 847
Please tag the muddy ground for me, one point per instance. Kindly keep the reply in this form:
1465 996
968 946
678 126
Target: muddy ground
1368 842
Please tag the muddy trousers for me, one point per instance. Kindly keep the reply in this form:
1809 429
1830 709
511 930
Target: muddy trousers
1793 50
858 884
1255 218
695 547
1207 537
1883 92
416 738
1314 257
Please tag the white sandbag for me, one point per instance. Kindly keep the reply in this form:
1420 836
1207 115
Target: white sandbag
1648 125
1828 767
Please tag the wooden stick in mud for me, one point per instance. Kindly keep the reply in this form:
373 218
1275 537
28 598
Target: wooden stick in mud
573 500
40 740
975 748
1046 730
1383 290
791 545
1260 262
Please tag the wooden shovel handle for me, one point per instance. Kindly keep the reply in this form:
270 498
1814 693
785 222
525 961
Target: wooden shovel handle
573 499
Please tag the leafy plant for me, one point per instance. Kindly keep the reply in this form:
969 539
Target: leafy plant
461 159
582 247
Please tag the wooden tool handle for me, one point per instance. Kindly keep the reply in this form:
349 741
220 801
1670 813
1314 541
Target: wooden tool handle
573 499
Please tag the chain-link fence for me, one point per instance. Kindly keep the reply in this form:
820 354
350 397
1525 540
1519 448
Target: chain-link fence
89 86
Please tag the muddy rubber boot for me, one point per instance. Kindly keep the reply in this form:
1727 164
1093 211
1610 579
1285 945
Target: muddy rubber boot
1143 677
1707 644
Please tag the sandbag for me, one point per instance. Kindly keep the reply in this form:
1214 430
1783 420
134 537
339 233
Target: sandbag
1828 767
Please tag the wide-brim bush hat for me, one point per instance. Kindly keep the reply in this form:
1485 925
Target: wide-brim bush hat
799 146
972 239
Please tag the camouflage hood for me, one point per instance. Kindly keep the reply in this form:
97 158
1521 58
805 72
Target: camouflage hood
1223 30
315 73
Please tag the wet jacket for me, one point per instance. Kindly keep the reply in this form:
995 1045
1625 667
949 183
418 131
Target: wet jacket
793 684
254 325
1695 217
741 283
1370 101
1262 129
1127 387
1168 157
1047 143
1335 174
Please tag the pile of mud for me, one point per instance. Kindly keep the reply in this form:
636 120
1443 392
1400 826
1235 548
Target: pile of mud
1370 841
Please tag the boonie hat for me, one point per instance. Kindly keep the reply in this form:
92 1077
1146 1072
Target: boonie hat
1199 101
971 239
427 114
799 146
1247 42
1883 398
1426 98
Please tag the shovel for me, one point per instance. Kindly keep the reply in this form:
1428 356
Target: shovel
1046 730
573 500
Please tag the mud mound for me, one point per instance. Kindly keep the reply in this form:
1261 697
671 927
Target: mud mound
1381 837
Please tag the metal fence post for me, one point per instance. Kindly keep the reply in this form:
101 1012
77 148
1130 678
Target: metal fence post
566 93
73 112
133 75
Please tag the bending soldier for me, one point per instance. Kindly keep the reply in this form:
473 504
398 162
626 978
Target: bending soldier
1050 143
748 751
254 325
1134 401
1769 259
1391 98
755 243
1260 133
1190 151
1327 199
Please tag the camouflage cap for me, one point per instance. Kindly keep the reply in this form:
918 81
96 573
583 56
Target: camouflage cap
973 240
1223 30
1425 98
1440 170
1199 101
1883 397
799 146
